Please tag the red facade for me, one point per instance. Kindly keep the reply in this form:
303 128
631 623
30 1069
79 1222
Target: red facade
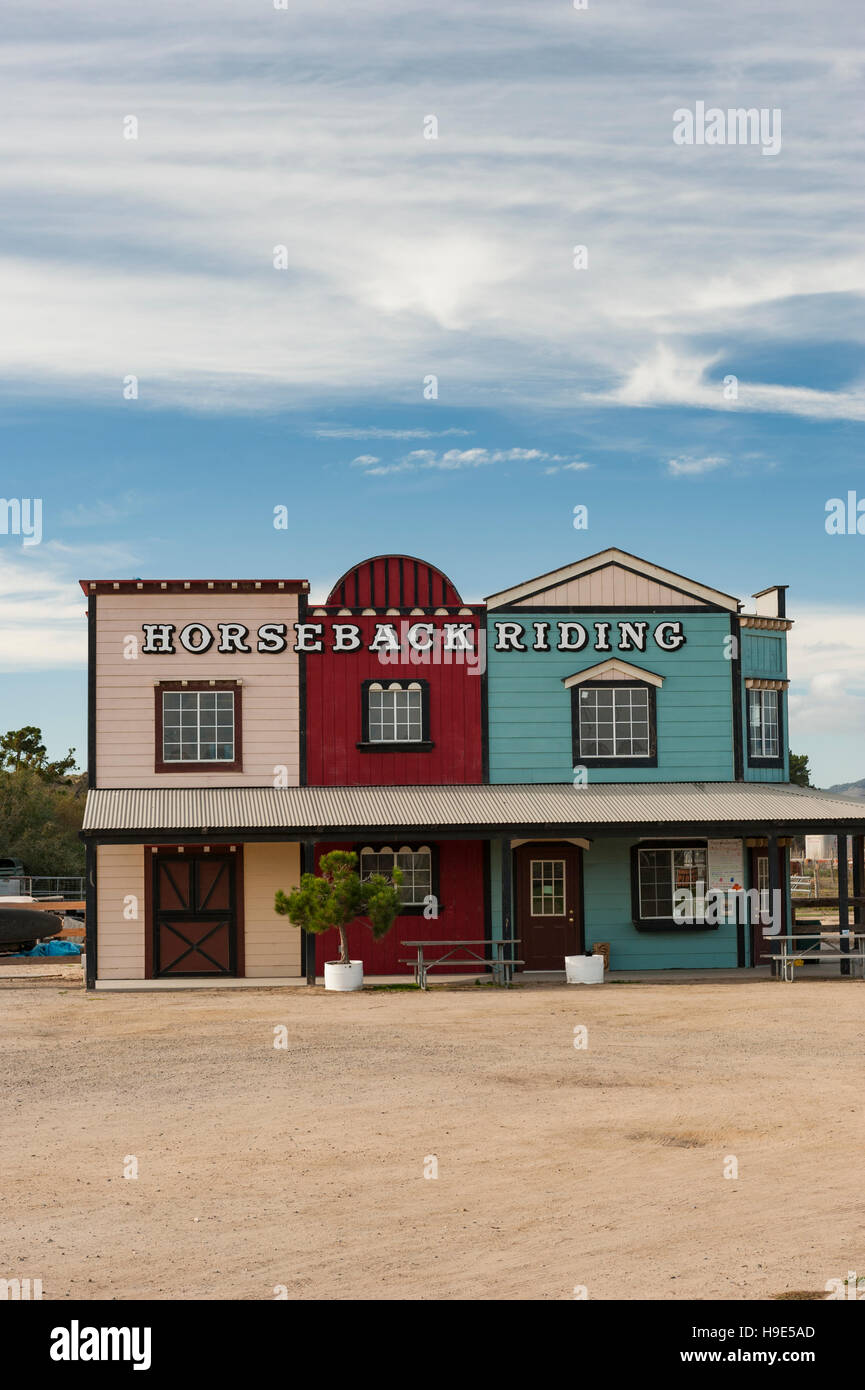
419 605
334 679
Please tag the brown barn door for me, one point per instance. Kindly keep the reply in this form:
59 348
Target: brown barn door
549 913
194 915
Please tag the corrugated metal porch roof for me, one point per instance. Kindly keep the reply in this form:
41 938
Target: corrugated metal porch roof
299 810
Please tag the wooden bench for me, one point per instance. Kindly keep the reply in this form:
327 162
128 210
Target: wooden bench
501 966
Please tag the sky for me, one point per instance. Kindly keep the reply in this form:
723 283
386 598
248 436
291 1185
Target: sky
327 257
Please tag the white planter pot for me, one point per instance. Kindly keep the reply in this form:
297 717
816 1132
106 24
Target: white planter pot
343 977
584 970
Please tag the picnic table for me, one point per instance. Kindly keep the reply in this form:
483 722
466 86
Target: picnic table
502 966
848 946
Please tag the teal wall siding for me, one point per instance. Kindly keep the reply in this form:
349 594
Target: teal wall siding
607 899
764 654
530 710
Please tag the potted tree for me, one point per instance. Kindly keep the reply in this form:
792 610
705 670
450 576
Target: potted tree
336 897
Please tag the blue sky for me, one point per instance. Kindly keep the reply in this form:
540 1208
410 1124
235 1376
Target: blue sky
260 129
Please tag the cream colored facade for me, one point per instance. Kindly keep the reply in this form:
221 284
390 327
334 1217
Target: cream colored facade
124 688
126 676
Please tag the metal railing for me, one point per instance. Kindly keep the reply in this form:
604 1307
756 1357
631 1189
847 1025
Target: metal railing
63 888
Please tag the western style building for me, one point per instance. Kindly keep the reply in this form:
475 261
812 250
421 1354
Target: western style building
598 754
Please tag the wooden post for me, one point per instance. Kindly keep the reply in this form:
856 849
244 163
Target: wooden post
774 888
507 906
858 842
843 900
307 866
90 923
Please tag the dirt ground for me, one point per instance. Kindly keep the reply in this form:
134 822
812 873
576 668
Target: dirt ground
601 1167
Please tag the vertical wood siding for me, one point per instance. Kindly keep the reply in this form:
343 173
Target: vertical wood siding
461 914
333 720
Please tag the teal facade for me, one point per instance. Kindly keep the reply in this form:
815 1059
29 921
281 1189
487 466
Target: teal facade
529 709
764 656
700 735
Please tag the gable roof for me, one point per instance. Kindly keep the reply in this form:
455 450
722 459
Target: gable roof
617 572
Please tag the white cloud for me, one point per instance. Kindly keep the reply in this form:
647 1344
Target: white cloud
409 256
827 689
42 623
454 459
689 466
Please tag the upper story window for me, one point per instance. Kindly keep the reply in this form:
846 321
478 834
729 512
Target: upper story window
614 724
198 726
395 716
416 865
763 733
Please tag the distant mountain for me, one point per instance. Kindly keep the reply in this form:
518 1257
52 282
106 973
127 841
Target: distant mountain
850 788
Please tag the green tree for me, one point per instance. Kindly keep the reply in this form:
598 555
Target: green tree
39 823
800 772
336 897
24 748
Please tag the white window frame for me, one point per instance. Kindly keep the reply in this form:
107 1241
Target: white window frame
757 701
587 690
388 722
187 702
541 915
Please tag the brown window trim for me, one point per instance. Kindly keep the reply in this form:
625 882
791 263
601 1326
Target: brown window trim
216 765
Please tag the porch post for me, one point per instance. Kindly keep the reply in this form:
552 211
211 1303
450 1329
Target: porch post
507 906
858 844
774 887
90 923
843 898
307 866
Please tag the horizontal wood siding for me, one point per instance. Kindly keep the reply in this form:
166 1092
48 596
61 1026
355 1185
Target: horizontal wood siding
272 944
461 914
124 687
119 877
530 710
608 917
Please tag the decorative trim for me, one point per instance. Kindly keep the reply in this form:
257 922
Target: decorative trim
768 624
604 559
613 667
583 760
758 683
397 845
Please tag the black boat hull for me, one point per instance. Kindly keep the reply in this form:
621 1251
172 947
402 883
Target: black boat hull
24 926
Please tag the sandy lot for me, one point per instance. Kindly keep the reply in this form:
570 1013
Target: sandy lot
557 1167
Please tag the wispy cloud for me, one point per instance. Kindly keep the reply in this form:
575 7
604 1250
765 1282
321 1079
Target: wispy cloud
373 432
155 256
688 466
453 460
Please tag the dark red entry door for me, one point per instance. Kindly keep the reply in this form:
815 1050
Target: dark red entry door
549 918
194 915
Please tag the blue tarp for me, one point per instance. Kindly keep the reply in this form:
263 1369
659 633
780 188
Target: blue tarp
53 948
